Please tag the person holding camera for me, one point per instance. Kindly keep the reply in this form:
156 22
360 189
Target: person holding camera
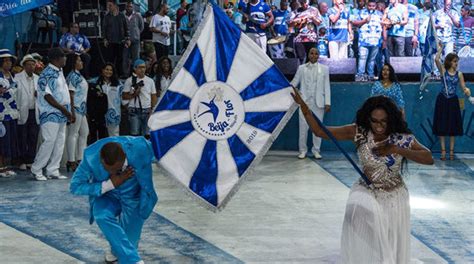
140 91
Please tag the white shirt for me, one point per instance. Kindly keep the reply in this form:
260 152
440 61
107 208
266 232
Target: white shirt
25 96
145 93
163 24
313 80
165 82
62 88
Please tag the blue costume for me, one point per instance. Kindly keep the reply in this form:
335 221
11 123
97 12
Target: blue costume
121 212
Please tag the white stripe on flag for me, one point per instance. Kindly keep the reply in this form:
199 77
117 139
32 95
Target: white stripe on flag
184 83
227 175
166 118
278 101
253 137
207 46
182 160
249 63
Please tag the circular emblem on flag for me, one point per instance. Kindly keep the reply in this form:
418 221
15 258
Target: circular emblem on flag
217 111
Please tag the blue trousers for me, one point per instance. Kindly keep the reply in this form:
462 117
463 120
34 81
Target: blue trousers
138 121
121 224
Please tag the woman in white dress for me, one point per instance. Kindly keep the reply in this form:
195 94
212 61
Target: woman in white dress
376 225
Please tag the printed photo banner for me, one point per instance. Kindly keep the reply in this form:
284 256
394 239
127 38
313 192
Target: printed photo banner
12 7
226 105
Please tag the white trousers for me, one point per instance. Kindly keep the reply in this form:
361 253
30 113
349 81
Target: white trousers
260 39
51 150
76 140
338 50
113 131
303 137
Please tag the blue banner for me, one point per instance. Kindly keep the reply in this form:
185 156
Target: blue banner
221 113
12 7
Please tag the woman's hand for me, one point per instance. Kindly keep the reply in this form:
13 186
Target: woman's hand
297 97
467 91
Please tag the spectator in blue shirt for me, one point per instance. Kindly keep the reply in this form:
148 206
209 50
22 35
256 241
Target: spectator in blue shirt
411 29
395 18
282 17
424 19
370 39
237 18
445 19
280 28
340 30
74 42
258 17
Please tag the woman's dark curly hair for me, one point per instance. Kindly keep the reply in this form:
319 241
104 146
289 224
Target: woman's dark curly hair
395 121
391 76
70 63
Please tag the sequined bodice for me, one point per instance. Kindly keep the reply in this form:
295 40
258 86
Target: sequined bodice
383 171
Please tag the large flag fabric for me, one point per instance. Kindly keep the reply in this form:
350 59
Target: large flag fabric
12 7
429 51
225 106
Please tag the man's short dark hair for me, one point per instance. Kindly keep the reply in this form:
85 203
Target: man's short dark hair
372 1
55 53
111 153
466 8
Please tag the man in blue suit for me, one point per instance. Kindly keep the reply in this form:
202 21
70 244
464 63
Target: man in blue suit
116 173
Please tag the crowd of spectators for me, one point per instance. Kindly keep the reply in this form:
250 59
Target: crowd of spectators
370 31
70 107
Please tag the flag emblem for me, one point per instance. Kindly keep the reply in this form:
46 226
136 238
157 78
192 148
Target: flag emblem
226 104
217 111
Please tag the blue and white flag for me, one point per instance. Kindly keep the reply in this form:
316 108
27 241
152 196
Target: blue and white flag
225 106
12 7
429 50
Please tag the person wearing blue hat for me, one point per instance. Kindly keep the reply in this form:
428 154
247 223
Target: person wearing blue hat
139 90
8 114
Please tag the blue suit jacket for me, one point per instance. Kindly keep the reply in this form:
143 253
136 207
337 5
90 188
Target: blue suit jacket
90 174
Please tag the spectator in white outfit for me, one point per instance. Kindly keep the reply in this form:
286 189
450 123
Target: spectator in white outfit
160 25
313 81
77 132
28 128
54 106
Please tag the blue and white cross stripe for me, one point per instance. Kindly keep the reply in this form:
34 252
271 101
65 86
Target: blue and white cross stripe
225 106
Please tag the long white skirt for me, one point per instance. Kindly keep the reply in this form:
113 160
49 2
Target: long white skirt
376 226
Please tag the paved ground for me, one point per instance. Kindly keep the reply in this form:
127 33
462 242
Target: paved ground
289 210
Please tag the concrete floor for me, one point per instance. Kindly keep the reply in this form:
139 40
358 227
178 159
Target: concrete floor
287 211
